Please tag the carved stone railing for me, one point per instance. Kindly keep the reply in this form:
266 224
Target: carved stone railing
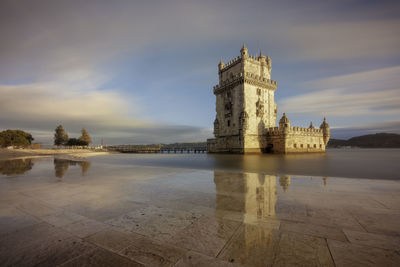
245 78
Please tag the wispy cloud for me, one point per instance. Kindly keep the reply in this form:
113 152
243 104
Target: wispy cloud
75 101
58 57
346 40
360 94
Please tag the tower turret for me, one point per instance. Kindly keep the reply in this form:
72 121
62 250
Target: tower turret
284 122
269 63
311 126
326 131
221 65
244 52
262 58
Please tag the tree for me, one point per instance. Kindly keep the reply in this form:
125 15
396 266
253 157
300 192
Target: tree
76 142
85 137
15 138
60 136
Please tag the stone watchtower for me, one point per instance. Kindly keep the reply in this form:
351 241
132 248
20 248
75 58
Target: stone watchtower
246 112
245 103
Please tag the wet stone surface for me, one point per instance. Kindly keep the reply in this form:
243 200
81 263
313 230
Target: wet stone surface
62 213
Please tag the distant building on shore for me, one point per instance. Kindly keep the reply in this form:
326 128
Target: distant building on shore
246 113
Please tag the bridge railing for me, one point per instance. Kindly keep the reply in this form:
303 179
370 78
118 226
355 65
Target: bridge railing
179 148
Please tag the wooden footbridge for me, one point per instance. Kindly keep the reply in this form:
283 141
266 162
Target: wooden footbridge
169 148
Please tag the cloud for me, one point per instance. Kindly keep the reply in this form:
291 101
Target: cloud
75 101
45 37
368 93
58 57
346 40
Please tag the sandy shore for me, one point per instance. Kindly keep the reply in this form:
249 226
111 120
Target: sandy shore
34 153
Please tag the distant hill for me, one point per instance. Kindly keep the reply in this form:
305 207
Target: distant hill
378 140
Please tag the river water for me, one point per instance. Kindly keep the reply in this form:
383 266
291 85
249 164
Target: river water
338 208
350 163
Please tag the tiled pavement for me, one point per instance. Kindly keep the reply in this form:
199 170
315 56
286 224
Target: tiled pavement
150 223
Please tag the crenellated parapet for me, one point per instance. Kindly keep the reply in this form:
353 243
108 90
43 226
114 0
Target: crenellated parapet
260 81
230 64
245 77
294 130
250 59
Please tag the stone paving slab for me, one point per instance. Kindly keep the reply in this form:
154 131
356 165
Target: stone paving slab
111 239
302 250
207 235
100 258
314 230
103 210
84 228
48 251
196 259
380 221
373 240
29 236
137 247
345 254
62 218
251 246
12 219
155 222
152 252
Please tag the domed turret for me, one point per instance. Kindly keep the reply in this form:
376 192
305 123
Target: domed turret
268 59
244 52
324 124
221 65
326 132
284 121
262 58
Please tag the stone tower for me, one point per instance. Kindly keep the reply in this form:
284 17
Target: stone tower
245 103
246 112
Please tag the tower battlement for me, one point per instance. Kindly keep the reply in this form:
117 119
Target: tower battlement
245 77
253 59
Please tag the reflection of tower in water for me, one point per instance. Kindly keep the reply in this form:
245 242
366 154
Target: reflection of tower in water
251 199
284 181
252 195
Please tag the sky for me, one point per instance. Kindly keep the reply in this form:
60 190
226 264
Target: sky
143 71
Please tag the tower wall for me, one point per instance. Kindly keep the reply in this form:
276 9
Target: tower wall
228 106
295 140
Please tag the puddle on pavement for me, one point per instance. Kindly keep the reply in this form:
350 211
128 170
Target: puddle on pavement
152 215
